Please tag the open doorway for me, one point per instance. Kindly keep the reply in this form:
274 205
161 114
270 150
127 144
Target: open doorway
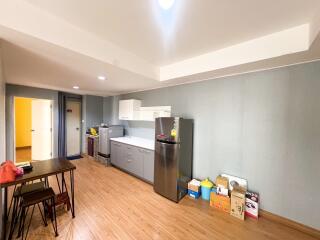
33 129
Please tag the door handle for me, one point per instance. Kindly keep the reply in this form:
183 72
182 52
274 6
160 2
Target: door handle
32 130
77 129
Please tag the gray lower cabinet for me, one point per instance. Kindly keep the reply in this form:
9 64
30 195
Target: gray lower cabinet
115 152
135 160
148 164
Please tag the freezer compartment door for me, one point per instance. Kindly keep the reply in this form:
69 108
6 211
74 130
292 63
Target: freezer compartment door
165 170
167 129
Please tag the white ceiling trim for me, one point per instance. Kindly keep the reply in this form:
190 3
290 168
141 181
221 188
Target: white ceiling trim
199 80
28 19
314 28
289 41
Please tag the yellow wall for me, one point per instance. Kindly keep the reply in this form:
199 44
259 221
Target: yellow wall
23 121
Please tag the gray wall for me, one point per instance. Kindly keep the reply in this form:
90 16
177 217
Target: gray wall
93 110
110 110
2 127
92 115
262 126
29 92
107 110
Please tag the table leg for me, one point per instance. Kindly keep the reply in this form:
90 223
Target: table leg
5 214
72 192
62 182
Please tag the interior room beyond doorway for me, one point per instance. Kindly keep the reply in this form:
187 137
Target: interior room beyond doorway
33 129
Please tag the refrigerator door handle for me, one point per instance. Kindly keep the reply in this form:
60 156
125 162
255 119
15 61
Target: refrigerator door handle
167 143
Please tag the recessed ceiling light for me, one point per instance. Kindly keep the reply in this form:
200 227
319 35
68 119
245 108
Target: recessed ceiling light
102 77
166 4
76 87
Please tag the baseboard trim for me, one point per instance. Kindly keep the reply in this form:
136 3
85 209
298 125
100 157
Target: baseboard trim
289 223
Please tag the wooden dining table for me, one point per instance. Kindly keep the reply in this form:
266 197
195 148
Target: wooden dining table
40 170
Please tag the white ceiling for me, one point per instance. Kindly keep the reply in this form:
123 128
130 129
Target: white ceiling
35 63
192 28
59 44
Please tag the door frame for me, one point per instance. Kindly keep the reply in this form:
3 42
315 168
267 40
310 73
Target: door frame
14 124
79 100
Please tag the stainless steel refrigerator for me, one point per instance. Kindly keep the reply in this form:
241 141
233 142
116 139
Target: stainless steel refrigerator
173 156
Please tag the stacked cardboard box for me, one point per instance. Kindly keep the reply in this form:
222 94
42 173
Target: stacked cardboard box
222 182
220 198
194 189
238 196
220 202
222 186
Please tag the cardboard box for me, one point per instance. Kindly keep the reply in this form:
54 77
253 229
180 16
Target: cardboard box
220 202
222 191
194 185
222 182
194 194
238 199
252 205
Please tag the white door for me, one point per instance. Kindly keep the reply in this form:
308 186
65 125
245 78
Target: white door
73 116
41 129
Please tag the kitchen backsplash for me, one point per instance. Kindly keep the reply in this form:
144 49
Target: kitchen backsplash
139 129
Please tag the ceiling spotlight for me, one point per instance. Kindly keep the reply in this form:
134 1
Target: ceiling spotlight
102 77
75 87
166 4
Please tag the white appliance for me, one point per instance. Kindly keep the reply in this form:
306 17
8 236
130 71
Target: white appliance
105 133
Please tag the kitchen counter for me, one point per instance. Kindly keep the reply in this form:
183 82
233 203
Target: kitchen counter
135 141
92 136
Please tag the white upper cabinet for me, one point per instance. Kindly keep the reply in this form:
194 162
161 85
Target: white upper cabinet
129 109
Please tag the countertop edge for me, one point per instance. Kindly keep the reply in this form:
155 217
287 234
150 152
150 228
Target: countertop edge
132 144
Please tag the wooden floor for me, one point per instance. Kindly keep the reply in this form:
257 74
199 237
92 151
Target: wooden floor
111 204
23 154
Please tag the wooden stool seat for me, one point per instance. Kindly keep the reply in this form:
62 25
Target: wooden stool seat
37 197
28 188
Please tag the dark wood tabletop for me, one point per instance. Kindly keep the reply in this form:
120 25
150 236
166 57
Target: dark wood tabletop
42 169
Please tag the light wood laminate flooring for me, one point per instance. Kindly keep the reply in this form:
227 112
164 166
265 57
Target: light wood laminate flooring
111 204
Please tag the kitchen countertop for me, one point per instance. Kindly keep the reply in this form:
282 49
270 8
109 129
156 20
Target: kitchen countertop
135 141
92 136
